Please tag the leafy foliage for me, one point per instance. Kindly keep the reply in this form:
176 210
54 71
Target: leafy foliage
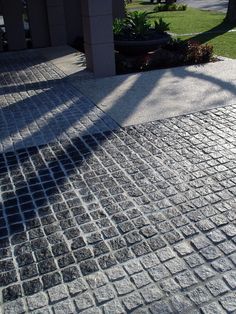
138 22
137 25
160 25
118 27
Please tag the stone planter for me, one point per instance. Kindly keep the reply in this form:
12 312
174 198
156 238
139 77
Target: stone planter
138 47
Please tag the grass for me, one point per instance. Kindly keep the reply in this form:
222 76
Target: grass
190 21
196 21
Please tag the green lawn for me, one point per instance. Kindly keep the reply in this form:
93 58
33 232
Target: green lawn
197 21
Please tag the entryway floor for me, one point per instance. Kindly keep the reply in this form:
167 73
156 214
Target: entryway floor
99 218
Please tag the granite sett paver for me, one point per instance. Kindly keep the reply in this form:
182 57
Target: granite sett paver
95 218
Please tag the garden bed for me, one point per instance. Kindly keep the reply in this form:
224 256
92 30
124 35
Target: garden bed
175 53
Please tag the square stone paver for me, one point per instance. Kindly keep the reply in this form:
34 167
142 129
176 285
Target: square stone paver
96 218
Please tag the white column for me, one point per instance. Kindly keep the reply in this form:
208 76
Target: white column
98 36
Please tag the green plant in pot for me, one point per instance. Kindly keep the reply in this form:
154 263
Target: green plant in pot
135 33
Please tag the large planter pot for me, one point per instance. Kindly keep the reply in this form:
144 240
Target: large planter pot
138 47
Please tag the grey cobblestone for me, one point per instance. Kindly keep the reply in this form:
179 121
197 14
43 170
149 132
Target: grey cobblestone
113 307
227 247
93 310
133 267
123 286
141 279
37 301
181 304
95 218
57 293
169 285
65 307
194 260
151 293
116 273
149 261
158 272
14 307
184 248
233 258
165 254
229 302
222 265
217 287
97 280
216 236
204 272
104 294
11 293
186 279
176 265
230 278
199 295
83 301
210 253
213 308
161 307
44 310
132 301
77 286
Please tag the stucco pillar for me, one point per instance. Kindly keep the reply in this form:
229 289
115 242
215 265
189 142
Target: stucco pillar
98 36
56 22
13 13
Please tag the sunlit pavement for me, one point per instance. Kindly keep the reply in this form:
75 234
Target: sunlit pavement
96 218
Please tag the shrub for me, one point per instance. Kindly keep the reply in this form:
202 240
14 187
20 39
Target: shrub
169 7
198 53
175 53
193 51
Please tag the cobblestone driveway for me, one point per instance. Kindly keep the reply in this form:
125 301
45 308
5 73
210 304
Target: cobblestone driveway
140 219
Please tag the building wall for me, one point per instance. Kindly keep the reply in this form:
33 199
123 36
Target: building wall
118 8
74 27
73 19
52 22
12 13
39 28
57 22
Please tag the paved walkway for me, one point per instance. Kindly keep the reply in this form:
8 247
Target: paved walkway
100 219
39 106
137 98
211 5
